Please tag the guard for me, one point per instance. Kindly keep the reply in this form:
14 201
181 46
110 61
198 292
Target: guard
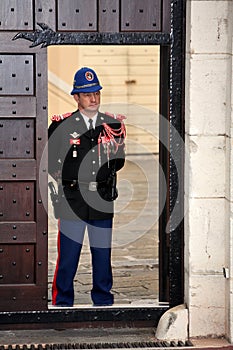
86 149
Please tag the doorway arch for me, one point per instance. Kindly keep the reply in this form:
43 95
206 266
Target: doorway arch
111 22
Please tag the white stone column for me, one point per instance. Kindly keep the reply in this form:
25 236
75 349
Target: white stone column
229 257
207 230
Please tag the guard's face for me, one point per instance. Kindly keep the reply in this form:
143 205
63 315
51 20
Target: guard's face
88 102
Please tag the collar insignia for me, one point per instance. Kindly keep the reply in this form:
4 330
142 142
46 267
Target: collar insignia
77 119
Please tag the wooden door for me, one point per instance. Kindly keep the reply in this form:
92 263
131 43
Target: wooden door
23 180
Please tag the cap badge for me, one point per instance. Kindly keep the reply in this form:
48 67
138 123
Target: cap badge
89 76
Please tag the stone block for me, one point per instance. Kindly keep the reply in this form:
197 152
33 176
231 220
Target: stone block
211 25
229 176
206 305
206 166
207 228
207 291
206 322
173 325
209 97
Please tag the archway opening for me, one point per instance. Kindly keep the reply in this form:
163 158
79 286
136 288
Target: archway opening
130 79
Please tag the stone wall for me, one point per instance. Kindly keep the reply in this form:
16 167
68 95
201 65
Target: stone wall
208 189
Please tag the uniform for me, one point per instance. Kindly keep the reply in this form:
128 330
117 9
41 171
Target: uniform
85 157
84 162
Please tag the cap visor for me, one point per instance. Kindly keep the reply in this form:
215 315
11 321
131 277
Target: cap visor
86 90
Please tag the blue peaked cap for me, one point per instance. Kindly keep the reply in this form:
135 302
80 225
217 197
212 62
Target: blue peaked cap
85 80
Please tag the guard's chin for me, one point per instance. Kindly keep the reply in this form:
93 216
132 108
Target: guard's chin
93 108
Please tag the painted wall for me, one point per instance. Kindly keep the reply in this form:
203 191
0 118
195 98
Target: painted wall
208 176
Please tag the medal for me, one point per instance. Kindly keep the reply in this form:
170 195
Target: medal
75 153
75 143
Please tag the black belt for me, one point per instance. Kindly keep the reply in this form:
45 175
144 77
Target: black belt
75 184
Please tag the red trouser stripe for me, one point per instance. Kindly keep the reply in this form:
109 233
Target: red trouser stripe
54 286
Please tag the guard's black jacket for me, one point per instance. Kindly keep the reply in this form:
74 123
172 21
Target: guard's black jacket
83 157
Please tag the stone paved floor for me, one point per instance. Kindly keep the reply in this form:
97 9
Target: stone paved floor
135 238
